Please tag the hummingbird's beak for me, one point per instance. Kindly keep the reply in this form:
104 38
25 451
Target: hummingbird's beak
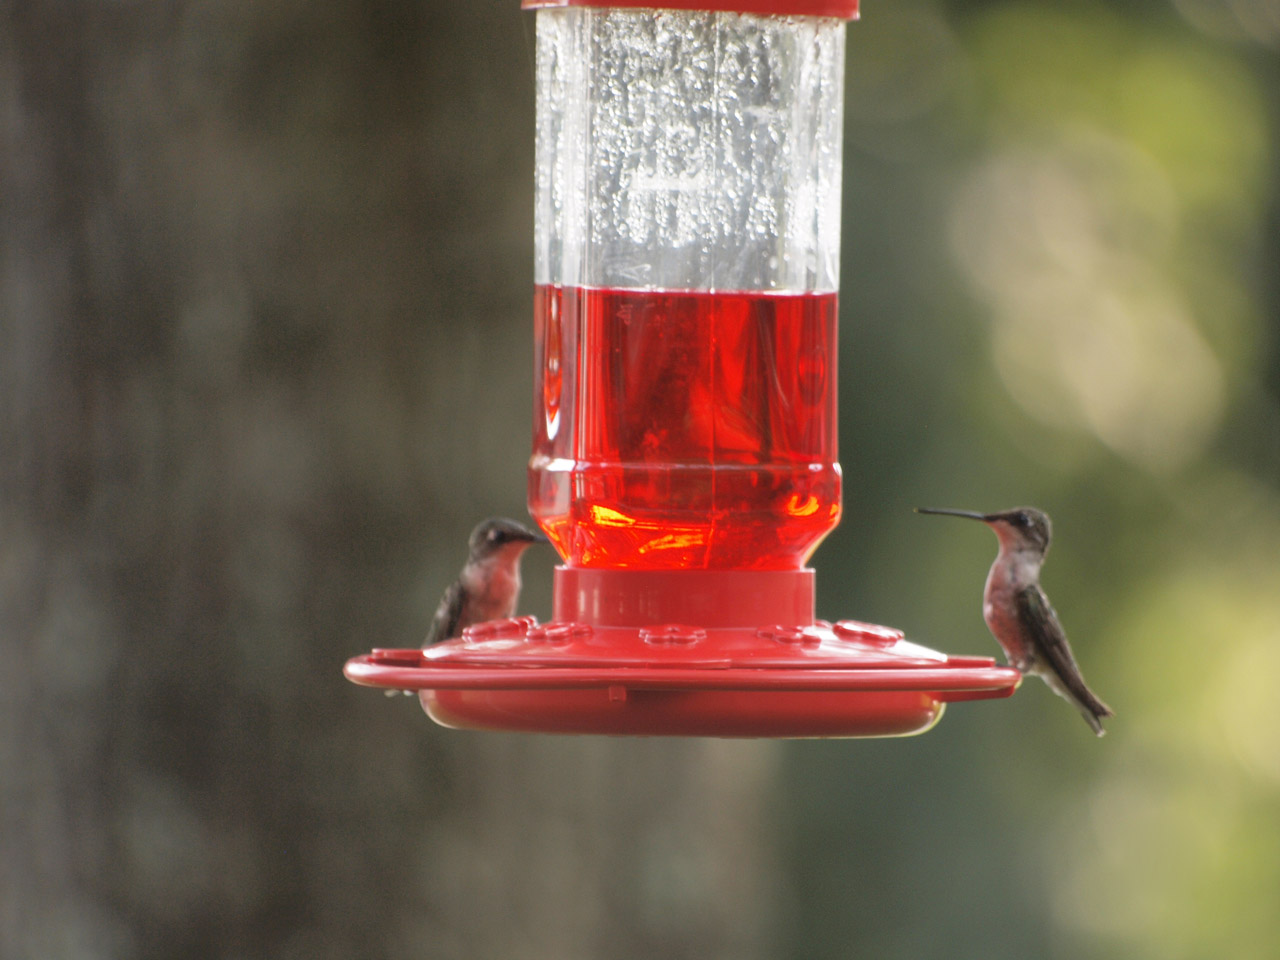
953 513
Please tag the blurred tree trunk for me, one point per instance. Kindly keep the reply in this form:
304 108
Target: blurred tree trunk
255 261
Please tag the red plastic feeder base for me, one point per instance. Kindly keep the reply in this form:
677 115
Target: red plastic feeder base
685 653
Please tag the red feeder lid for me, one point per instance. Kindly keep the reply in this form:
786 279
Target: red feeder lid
643 668
845 9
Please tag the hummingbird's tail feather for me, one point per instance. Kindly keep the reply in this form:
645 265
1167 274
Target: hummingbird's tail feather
1092 708
1072 689
1093 719
1094 723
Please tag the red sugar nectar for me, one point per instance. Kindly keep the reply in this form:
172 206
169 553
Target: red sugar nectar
684 430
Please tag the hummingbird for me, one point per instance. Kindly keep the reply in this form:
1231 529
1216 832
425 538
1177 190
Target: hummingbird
1019 614
489 584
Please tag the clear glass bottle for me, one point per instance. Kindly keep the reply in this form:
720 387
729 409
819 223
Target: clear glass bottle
686 267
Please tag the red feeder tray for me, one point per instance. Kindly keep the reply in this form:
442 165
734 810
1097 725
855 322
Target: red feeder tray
754 666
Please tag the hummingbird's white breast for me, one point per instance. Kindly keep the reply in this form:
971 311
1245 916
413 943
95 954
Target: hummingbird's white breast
492 586
1012 571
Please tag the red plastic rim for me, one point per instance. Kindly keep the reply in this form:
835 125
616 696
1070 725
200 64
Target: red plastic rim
844 9
725 653
847 679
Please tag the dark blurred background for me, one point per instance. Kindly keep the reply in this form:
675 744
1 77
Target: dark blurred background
265 354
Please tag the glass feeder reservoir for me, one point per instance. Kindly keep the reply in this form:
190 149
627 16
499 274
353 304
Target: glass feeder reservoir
687 260
687 250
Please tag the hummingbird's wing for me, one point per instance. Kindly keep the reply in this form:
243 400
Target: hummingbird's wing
1053 651
444 625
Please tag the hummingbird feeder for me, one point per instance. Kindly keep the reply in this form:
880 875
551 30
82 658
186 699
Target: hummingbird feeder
684 425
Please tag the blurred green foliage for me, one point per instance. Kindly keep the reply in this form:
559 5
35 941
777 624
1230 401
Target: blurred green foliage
1061 287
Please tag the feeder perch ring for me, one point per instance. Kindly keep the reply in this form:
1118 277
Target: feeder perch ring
832 680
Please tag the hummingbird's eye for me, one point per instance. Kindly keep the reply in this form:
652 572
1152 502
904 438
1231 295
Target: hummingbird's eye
493 535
